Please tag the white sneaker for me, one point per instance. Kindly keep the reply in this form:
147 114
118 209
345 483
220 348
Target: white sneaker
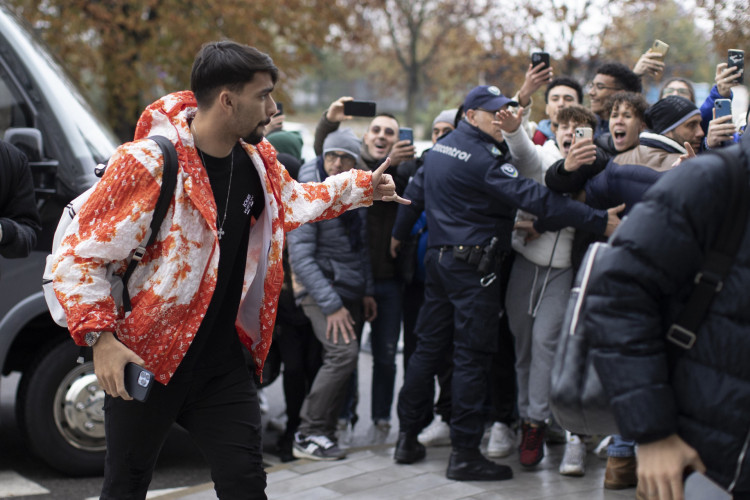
438 433
379 432
344 432
502 441
574 459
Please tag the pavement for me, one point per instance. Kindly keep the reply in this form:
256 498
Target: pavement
370 473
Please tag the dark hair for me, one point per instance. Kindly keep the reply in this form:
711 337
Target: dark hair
577 114
387 115
459 116
679 79
625 77
226 64
564 81
633 99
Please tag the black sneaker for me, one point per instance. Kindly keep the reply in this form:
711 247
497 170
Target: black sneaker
316 448
471 465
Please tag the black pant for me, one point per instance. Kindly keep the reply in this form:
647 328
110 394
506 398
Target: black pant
413 300
221 414
457 311
301 356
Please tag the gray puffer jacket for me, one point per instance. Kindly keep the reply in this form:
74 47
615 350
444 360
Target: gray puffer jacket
323 264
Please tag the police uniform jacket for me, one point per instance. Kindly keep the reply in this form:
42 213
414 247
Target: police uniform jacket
470 194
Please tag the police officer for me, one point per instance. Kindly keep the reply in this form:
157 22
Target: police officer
470 193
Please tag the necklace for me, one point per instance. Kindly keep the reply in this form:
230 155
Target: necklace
220 227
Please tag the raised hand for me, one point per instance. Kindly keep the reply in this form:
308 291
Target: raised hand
383 187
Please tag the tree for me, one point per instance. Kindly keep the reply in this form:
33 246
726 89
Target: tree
413 32
133 51
730 23
637 23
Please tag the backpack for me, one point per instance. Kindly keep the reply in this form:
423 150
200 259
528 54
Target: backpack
578 400
117 282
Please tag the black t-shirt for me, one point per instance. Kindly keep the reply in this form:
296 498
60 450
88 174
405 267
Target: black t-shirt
216 347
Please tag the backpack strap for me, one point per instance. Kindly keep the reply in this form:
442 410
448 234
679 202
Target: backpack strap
168 183
710 279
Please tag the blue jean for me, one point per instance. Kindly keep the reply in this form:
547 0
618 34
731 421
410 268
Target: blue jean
384 340
620 447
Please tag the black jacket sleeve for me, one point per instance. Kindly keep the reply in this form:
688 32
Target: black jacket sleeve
19 217
560 180
322 129
407 215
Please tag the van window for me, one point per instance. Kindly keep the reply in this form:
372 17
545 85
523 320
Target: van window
13 111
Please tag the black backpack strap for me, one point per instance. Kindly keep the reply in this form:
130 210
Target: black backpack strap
719 259
168 183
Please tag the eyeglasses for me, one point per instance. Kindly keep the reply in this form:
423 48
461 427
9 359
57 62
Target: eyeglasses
675 90
601 86
347 160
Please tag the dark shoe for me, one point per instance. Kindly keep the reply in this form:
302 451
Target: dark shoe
408 449
316 448
473 466
620 473
285 448
532 444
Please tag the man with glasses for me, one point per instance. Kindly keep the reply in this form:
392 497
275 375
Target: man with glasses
380 141
470 194
609 78
333 284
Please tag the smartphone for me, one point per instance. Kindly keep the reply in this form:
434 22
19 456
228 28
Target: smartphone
722 107
280 108
138 381
660 48
736 57
405 133
584 133
359 108
700 487
539 57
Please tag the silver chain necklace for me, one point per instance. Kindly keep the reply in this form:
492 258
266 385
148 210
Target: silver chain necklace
229 189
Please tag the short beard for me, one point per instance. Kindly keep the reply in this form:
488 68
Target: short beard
254 138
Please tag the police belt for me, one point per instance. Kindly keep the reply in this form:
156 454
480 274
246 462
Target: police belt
482 256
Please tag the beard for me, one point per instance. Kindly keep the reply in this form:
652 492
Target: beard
257 135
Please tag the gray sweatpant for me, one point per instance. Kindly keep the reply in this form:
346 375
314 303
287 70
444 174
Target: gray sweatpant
536 336
322 406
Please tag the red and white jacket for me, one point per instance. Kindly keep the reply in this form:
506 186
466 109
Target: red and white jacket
172 286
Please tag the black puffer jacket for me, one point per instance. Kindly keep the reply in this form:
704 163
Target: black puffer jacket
657 389
19 218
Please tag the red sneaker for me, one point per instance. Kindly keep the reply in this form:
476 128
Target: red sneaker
532 444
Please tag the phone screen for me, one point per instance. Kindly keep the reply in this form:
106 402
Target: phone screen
279 108
359 108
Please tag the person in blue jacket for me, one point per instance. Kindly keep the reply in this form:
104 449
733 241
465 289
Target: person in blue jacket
470 194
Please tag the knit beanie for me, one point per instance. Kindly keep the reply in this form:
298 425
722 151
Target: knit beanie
343 140
287 141
669 113
446 116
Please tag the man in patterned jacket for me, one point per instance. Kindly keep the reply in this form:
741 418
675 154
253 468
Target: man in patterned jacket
209 283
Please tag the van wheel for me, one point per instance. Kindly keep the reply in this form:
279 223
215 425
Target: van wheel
60 410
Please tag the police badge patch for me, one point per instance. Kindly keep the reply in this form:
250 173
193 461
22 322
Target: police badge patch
509 170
